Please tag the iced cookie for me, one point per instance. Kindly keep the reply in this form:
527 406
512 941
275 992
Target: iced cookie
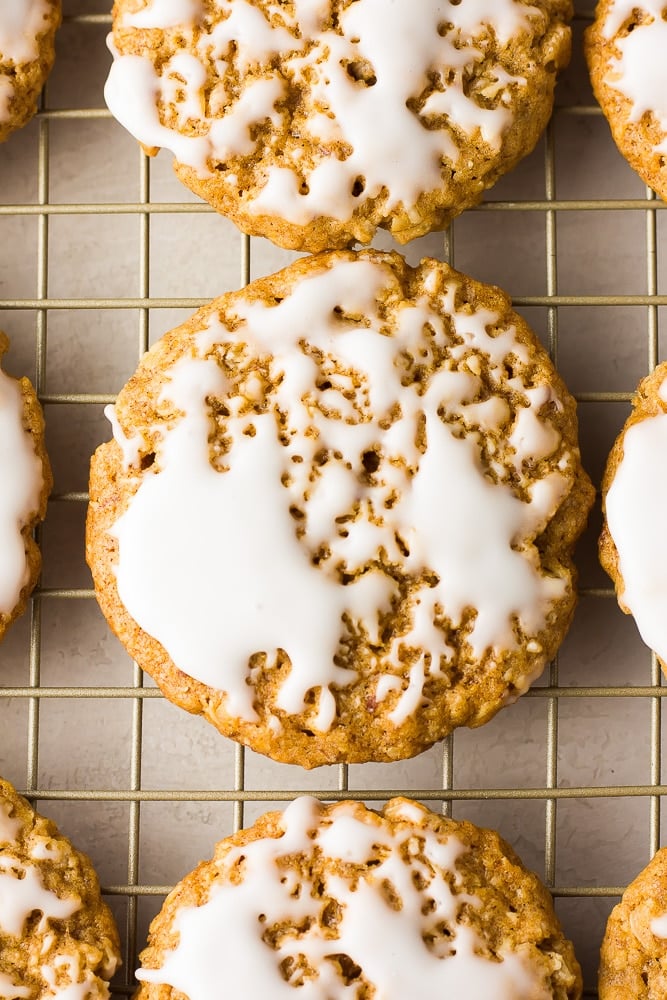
633 959
25 483
27 38
338 513
57 936
626 48
314 122
633 547
338 901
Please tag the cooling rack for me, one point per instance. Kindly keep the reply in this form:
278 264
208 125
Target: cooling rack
101 251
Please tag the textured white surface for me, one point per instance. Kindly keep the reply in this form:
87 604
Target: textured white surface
87 744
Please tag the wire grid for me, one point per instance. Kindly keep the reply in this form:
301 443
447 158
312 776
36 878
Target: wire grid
550 792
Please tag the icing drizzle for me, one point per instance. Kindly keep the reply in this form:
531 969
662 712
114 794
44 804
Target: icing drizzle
386 943
60 960
640 71
22 481
635 515
285 534
370 86
21 21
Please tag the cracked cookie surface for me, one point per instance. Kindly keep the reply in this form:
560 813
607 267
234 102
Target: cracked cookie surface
625 48
27 39
339 901
338 514
57 936
314 122
633 958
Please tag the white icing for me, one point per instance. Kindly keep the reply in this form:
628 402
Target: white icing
79 987
45 850
10 989
635 517
202 545
21 483
162 14
130 447
387 944
659 926
22 891
9 827
389 145
640 71
21 21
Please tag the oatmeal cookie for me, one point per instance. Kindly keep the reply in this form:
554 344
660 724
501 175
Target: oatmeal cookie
625 48
338 514
27 39
633 959
340 901
313 122
633 547
57 936
25 484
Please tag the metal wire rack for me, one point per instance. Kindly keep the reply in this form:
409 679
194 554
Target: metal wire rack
51 687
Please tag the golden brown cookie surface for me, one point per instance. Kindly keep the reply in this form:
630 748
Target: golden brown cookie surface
341 901
25 484
338 515
633 959
57 936
27 38
632 547
313 123
625 49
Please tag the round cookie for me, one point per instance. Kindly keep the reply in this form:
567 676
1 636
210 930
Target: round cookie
338 513
633 549
338 901
57 936
314 122
625 48
633 958
25 484
27 40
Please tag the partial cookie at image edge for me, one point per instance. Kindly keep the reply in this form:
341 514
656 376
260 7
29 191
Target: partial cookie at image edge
339 895
73 948
29 475
27 54
629 83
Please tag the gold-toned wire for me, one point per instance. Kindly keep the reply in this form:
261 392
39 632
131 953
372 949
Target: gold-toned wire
134 795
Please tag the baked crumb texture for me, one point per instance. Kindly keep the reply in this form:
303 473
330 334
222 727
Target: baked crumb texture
25 484
57 936
338 513
314 122
625 48
339 901
633 958
633 547
27 39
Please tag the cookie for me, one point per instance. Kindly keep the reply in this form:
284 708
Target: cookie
625 48
338 901
338 513
632 544
27 39
633 958
57 936
25 484
313 122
